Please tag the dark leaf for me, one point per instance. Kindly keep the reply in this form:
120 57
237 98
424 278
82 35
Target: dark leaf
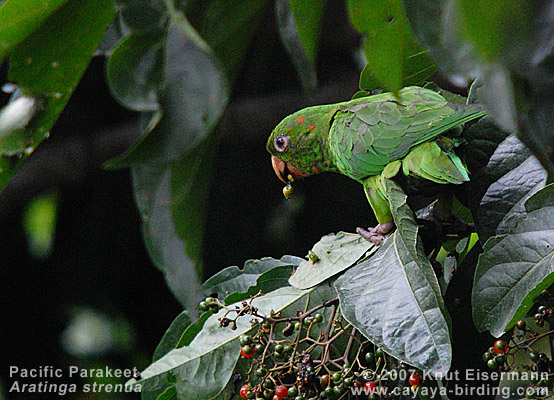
394 298
299 24
172 335
515 268
134 71
142 15
152 186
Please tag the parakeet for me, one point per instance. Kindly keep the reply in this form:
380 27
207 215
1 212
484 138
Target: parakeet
371 139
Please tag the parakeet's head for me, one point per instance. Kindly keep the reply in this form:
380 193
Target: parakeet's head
298 145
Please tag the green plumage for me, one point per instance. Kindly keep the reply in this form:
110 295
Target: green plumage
361 137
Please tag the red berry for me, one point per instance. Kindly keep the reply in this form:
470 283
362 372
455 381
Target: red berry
369 387
414 380
500 346
281 391
244 391
247 351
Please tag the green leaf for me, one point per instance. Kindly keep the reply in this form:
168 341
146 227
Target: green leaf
152 186
20 18
192 102
39 221
134 71
205 366
495 33
515 268
170 340
267 282
335 253
395 58
299 23
48 65
233 279
394 298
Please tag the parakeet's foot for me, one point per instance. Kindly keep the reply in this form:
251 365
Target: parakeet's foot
376 235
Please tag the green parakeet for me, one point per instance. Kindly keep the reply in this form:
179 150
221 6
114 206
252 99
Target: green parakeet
371 139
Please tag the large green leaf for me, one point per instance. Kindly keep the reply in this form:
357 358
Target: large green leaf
19 18
515 268
233 279
335 253
394 298
47 65
395 58
203 368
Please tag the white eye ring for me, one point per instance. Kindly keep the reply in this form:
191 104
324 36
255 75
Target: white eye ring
281 143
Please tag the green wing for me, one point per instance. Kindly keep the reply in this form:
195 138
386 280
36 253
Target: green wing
370 132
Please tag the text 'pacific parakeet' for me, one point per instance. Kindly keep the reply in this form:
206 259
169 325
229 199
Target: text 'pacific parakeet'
371 139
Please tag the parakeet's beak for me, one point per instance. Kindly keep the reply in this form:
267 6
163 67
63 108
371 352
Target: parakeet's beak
280 168
283 170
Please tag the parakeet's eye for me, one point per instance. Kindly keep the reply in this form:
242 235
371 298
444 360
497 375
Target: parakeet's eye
281 143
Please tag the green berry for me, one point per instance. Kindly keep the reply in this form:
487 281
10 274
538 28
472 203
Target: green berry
261 371
521 325
369 357
297 326
348 381
259 347
492 364
203 306
378 352
329 392
541 309
487 356
293 391
318 318
268 384
337 391
279 348
209 300
299 398
533 356
500 359
245 339
336 377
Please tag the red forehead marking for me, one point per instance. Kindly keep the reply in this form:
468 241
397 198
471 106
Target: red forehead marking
300 120
311 127
315 169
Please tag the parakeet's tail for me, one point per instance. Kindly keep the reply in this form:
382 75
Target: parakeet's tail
429 161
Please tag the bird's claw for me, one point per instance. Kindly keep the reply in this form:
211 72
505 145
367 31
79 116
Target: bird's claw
376 234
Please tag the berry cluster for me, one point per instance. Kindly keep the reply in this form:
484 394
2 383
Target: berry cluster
314 354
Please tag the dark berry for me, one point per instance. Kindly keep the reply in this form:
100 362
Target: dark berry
500 359
324 380
269 384
541 309
521 324
288 329
533 356
293 391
